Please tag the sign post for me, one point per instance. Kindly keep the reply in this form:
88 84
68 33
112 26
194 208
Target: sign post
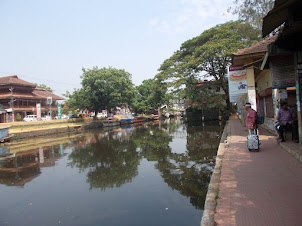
59 111
49 101
38 109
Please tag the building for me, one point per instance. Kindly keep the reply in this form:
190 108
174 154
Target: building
259 82
286 51
19 98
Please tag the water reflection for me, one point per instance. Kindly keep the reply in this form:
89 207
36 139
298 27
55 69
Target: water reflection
20 168
110 158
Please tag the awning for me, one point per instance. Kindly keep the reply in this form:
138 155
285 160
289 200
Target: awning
277 16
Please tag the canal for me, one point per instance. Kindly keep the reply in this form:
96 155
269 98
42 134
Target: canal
150 174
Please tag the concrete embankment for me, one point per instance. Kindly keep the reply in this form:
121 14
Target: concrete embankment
213 189
22 130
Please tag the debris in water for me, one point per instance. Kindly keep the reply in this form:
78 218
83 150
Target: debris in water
167 208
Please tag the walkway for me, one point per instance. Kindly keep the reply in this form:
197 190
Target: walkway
258 188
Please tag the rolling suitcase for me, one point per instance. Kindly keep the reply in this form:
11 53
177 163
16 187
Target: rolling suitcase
253 141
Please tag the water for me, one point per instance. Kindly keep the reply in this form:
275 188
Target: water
153 174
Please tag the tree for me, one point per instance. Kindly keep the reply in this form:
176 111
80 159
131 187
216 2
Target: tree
43 86
207 56
252 11
104 88
141 102
159 91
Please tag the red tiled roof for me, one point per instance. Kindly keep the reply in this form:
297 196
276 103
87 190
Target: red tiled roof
42 93
37 94
14 80
259 47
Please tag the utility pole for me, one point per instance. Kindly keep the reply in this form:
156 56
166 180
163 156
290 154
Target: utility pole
12 103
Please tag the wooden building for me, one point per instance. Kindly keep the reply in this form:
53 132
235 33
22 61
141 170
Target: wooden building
18 98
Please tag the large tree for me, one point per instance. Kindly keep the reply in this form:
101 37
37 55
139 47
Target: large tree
159 95
252 11
102 88
141 102
207 56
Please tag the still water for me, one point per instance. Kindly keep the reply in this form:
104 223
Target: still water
150 174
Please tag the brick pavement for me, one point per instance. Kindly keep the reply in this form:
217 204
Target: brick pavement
258 188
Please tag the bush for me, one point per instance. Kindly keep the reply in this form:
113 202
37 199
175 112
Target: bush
19 117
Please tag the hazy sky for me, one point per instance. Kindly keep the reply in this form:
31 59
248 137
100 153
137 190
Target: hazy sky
49 41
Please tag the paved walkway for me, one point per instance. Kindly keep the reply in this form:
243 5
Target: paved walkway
258 188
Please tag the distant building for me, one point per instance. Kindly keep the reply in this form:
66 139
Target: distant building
18 97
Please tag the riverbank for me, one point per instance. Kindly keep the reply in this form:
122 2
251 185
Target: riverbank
254 188
22 130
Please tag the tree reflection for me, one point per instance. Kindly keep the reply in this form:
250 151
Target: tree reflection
112 158
111 161
203 141
188 172
153 142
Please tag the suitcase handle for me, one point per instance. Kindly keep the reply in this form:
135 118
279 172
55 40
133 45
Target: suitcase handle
255 132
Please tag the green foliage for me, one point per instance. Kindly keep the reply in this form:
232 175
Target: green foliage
252 11
18 117
104 88
43 86
205 94
141 102
207 56
159 91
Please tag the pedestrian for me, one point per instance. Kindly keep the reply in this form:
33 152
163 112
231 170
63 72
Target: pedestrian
285 118
251 119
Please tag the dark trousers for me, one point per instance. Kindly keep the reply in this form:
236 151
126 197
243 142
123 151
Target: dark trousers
283 128
295 135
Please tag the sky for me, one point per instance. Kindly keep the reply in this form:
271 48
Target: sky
50 41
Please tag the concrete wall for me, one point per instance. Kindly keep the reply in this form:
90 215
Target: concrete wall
263 80
251 91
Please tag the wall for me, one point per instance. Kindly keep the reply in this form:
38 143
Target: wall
251 91
263 80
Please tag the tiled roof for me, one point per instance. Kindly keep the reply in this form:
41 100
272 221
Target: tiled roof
14 80
259 47
37 94
42 93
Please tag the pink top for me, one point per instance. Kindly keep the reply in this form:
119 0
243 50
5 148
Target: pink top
251 114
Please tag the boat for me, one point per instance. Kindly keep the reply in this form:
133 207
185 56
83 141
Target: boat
154 117
4 136
126 119
4 151
110 122
139 119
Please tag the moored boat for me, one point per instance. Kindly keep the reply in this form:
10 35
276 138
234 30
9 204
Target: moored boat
111 122
4 136
139 119
126 119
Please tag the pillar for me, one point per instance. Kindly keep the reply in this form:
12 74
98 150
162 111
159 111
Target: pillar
298 63
251 89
